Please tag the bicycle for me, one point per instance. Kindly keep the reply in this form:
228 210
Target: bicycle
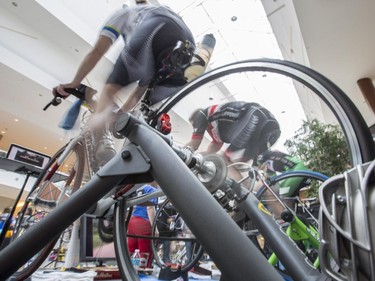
72 165
54 186
142 161
298 218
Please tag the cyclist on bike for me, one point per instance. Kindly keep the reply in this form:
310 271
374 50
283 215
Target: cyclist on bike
273 161
248 128
150 34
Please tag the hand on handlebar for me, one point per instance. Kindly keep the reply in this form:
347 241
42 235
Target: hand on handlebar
59 91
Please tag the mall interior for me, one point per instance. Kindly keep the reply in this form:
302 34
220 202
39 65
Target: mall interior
42 43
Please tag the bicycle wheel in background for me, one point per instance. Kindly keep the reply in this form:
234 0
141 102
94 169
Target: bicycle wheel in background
302 208
59 179
174 245
122 215
308 180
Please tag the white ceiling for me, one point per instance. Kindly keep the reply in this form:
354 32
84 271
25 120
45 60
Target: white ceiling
42 42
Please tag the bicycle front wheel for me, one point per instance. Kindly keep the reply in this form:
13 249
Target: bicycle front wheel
60 178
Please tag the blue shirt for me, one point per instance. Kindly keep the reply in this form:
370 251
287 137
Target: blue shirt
141 211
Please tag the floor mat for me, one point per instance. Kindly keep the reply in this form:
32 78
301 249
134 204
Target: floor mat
192 277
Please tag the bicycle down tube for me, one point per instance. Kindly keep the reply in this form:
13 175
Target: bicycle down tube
186 192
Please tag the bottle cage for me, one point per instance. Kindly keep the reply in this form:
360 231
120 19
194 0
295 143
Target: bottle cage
171 68
174 64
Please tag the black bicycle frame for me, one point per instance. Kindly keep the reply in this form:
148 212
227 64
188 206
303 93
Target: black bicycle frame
149 156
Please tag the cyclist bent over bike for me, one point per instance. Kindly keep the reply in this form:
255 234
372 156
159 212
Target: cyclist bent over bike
248 128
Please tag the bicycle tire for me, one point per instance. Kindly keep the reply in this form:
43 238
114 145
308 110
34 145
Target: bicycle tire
170 235
356 131
43 196
290 174
122 215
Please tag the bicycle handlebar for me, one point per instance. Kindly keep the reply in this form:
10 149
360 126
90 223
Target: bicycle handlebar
78 92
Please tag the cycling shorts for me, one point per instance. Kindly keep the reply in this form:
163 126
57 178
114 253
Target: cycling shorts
152 40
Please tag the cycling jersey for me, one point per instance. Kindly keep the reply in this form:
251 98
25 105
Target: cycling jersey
243 125
149 33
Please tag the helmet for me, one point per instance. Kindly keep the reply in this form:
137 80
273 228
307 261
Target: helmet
346 225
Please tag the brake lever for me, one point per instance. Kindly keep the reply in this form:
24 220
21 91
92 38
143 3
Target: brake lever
77 92
55 102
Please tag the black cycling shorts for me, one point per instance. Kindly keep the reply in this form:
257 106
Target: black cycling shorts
138 60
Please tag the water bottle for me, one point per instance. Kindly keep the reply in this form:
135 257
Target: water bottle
136 259
201 57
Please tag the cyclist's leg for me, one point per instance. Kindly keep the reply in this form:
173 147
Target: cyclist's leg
142 227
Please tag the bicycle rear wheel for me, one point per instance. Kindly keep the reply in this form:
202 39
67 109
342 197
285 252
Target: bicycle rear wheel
122 215
236 81
308 81
307 179
174 244
59 179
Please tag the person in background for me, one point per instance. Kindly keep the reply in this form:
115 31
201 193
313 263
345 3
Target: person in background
4 216
274 161
248 128
3 219
140 224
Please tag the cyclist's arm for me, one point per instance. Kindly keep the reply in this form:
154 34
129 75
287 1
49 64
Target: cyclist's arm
134 97
200 123
214 147
194 143
101 46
